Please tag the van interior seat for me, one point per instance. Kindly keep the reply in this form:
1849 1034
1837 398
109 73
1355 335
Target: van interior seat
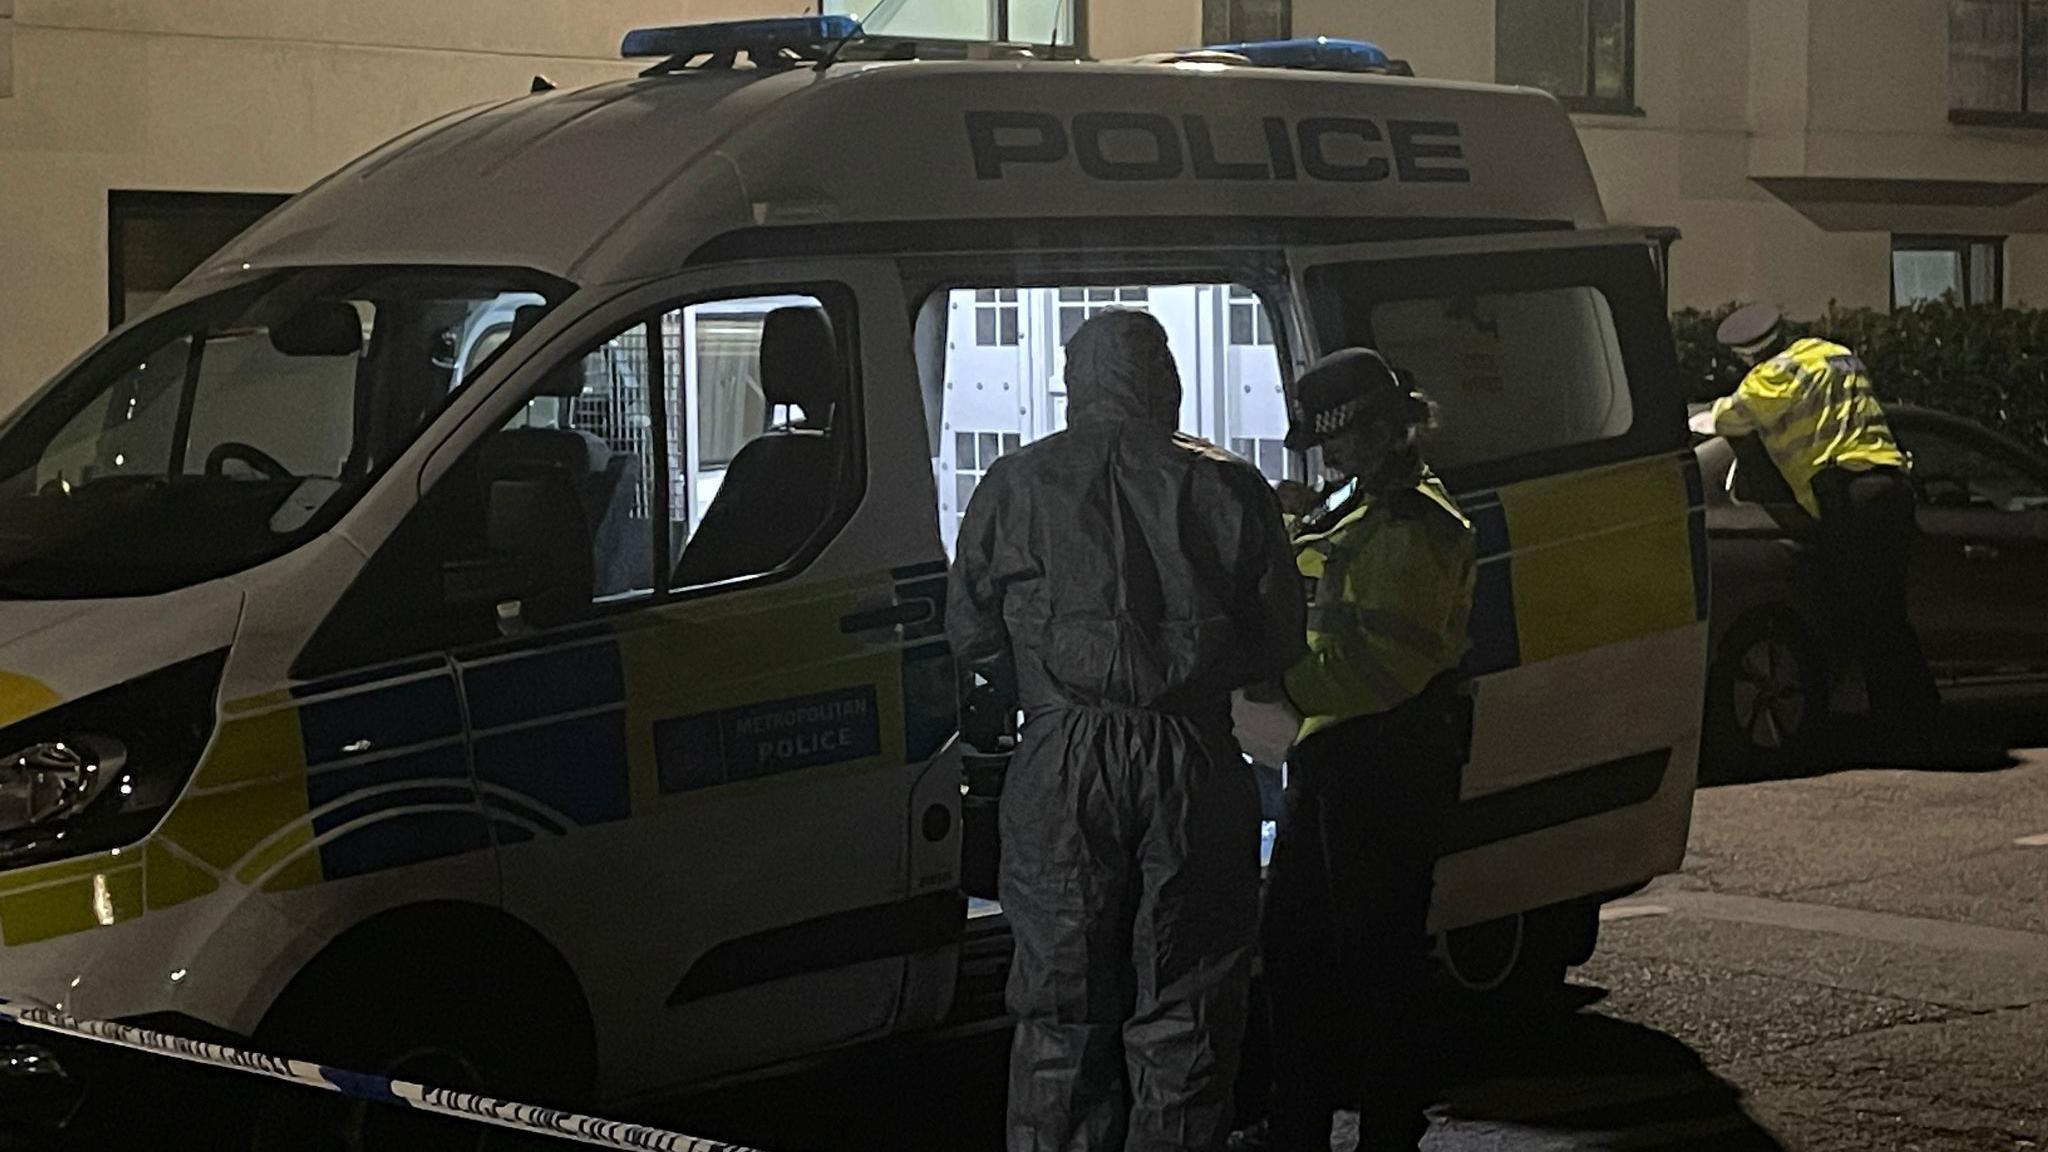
597 472
779 487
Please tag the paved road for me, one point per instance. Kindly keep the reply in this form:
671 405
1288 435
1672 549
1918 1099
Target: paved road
1857 960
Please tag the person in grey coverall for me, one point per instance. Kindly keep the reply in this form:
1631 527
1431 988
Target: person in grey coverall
1126 579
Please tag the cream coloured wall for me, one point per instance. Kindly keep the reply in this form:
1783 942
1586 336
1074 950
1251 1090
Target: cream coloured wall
239 95
1119 28
1735 89
267 95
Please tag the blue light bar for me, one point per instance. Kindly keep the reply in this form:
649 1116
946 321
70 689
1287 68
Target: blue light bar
1315 54
805 36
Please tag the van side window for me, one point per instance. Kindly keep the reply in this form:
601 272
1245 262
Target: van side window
590 423
1511 372
720 450
706 443
764 456
1540 361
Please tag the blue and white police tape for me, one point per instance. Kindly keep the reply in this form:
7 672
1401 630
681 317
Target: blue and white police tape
360 1086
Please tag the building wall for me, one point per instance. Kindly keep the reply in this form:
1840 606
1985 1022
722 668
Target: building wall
1735 90
236 95
262 96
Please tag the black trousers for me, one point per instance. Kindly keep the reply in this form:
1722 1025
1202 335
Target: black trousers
1866 538
1345 938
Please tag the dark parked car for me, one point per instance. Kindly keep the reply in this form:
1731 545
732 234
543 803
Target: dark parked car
1979 587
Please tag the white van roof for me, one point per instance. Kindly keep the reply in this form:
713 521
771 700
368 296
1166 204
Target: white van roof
632 178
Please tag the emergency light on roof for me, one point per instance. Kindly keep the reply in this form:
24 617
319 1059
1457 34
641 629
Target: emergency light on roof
1317 54
774 43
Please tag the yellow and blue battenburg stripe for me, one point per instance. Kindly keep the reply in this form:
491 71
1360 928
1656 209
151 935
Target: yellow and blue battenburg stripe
525 739
548 725
1586 559
386 779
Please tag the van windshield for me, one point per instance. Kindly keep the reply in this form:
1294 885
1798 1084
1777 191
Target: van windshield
231 429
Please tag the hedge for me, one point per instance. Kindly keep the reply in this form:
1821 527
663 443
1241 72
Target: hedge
1989 364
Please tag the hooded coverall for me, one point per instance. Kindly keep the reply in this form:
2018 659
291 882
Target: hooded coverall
1813 408
1132 578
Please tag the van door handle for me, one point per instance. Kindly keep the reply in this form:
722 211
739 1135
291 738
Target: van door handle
903 613
1979 552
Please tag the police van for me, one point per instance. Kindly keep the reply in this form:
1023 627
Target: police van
486 626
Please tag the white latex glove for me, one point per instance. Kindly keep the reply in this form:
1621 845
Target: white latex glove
1265 731
1702 422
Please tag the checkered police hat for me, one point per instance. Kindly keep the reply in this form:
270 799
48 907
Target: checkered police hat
1347 388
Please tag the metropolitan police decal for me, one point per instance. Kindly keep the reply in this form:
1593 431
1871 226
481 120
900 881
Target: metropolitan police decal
1136 146
714 748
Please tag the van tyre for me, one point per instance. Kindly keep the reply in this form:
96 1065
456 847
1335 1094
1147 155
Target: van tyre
493 1026
1767 697
1520 960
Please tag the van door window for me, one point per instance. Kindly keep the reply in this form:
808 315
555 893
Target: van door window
767 463
732 471
1511 372
706 443
591 421
1005 380
1540 360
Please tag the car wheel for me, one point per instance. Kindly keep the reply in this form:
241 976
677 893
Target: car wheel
1766 696
1520 959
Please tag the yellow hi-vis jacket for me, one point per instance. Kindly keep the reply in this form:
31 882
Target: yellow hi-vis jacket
1813 407
1390 592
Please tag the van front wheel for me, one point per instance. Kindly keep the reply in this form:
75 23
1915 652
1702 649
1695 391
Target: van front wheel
488 1043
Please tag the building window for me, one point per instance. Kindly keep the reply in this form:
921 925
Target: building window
973 452
1077 305
1249 327
996 318
1271 457
1235 21
6 50
1998 61
154 239
1042 22
1581 51
1967 270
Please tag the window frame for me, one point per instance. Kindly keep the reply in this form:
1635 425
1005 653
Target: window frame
1589 103
1962 246
944 47
1341 291
841 304
510 380
2025 116
126 205
1221 21
1238 297
996 307
929 280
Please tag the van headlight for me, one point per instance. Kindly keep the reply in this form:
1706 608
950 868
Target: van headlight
57 779
100 772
